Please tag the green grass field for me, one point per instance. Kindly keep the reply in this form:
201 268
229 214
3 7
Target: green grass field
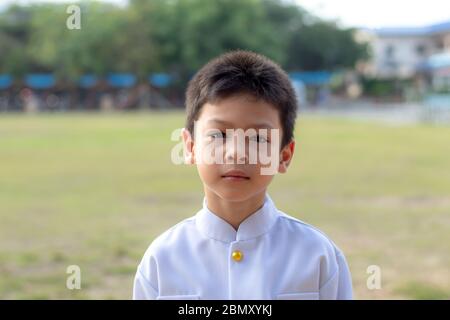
95 189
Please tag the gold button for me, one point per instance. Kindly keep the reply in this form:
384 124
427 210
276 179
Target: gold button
237 255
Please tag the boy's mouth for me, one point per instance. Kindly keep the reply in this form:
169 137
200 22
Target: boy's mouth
236 175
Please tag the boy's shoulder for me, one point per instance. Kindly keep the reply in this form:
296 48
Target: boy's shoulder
177 233
303 231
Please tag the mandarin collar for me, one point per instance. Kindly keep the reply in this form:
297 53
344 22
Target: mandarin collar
253 226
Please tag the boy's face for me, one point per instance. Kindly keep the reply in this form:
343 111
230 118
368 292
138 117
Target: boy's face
228 135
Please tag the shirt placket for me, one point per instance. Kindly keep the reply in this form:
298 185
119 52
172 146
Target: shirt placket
236 268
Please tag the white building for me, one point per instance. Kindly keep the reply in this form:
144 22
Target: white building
400 52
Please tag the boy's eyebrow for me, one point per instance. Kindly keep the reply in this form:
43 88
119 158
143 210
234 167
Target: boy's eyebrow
254 125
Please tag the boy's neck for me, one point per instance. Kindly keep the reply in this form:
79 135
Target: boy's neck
234 212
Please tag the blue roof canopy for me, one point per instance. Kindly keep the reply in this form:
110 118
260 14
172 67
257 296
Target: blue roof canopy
160 80
414 31
440 27
402 31
121 80
5 81
312 77
87 80
40 80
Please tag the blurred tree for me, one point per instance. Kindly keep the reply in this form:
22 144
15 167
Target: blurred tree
110 40
190 32
175 36
323 46
14 33
285 19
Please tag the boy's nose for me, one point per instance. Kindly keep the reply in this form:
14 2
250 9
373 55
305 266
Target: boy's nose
235 150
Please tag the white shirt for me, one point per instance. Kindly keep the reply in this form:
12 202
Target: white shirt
281 258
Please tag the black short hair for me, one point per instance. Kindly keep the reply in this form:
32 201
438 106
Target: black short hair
237 72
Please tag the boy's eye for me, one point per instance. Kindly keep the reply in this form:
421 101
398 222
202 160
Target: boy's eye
259 139
216 135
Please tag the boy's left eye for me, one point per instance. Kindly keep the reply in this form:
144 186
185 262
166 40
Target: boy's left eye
259 139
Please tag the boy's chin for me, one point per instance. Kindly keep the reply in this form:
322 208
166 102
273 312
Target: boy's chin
236 195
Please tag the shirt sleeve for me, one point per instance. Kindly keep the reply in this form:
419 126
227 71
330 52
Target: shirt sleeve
142 289
339 286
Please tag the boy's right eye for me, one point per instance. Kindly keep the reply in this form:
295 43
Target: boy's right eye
216 135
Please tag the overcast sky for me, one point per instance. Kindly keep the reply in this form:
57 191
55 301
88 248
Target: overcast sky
358 13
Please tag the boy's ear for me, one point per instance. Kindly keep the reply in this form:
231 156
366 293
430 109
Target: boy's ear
189 150
286 155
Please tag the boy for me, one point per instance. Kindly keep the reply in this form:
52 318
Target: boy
239 246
